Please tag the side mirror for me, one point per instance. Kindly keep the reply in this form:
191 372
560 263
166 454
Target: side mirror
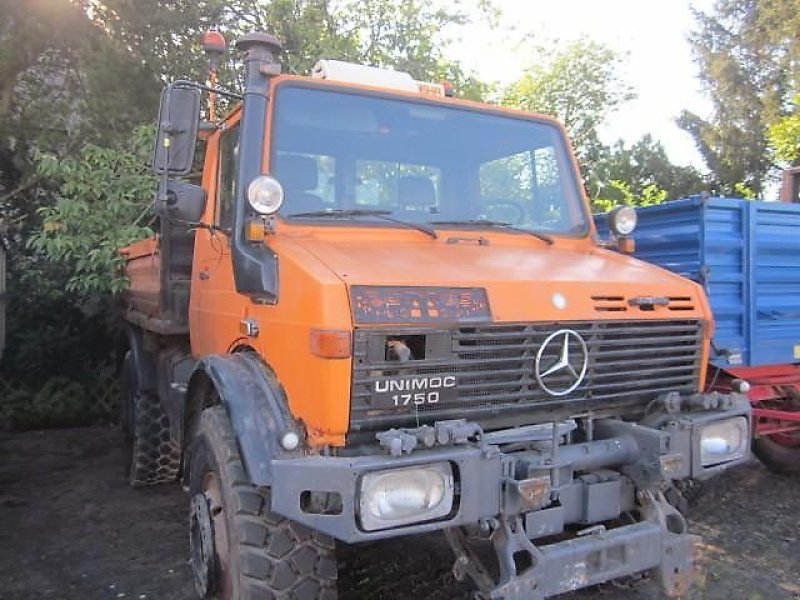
178 120
184 202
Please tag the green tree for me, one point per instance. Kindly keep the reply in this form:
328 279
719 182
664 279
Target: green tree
580 86
784 135
76 77
642 164
620 192
104 196
747 51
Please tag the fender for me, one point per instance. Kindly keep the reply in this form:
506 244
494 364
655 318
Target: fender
257 409
144 362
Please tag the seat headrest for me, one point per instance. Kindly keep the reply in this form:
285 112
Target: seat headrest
416 191
296 173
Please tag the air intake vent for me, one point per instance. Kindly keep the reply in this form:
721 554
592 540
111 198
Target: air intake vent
609 303
680 303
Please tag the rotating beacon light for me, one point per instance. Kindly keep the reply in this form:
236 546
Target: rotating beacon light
214 46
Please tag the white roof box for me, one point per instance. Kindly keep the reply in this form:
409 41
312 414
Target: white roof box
338 70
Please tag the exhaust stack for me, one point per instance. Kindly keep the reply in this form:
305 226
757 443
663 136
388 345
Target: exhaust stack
260 58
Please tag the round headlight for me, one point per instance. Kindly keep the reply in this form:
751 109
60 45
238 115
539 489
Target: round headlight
265 195
622 220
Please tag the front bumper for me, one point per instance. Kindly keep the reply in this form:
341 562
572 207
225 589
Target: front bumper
520 496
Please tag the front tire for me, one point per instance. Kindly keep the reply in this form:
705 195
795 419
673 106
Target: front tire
253 553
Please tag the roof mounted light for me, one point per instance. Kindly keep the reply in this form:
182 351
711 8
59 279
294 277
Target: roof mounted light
337 70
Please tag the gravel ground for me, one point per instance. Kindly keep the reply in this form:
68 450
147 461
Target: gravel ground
70 527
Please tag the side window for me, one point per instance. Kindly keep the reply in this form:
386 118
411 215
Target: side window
228 167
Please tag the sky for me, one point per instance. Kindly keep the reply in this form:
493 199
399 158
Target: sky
652 34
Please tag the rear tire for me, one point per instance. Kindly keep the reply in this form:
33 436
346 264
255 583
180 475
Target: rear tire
151 455
256 554
778 457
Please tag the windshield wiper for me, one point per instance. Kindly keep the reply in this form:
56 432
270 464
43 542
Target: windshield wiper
498 224
343 213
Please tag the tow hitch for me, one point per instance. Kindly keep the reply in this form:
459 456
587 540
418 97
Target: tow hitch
657 544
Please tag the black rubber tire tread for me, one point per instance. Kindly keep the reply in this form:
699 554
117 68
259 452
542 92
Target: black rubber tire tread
156 457
152 457
778 458
271 556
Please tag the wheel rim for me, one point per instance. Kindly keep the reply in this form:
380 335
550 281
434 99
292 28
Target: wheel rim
212 491
201 546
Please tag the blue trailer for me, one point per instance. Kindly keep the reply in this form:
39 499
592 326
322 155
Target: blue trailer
746 254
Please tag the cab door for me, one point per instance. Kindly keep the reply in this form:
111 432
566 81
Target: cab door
216 308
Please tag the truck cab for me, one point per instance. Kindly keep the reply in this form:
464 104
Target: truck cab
385 311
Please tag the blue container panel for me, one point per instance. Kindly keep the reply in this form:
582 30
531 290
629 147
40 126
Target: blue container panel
723 223
670 235
775 252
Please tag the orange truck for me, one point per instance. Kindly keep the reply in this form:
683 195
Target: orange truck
383 311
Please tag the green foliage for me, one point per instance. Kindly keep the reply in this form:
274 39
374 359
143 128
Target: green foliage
61 273
748 52
59 346
60 400
620 192
741 190
403 34
642 164
76 77
784 135
102 195
580 86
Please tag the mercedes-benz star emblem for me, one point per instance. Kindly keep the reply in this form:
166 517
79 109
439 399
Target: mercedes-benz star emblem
569 369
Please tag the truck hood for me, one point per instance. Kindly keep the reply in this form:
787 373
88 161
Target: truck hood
525 279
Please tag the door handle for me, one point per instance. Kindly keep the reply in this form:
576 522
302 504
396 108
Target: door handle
204 275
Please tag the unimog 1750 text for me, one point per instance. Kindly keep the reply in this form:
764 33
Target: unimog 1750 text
385 312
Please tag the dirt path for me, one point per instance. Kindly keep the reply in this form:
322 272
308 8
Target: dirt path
70 527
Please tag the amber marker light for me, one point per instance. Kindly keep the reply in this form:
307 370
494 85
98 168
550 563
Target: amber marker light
213 41
331 343
255 231
626 245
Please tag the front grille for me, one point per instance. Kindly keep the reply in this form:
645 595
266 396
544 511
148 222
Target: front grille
629 362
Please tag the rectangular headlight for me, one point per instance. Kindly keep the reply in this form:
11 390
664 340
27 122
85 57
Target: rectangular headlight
408 495
723 441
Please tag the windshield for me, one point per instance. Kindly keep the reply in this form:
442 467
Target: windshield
421 163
